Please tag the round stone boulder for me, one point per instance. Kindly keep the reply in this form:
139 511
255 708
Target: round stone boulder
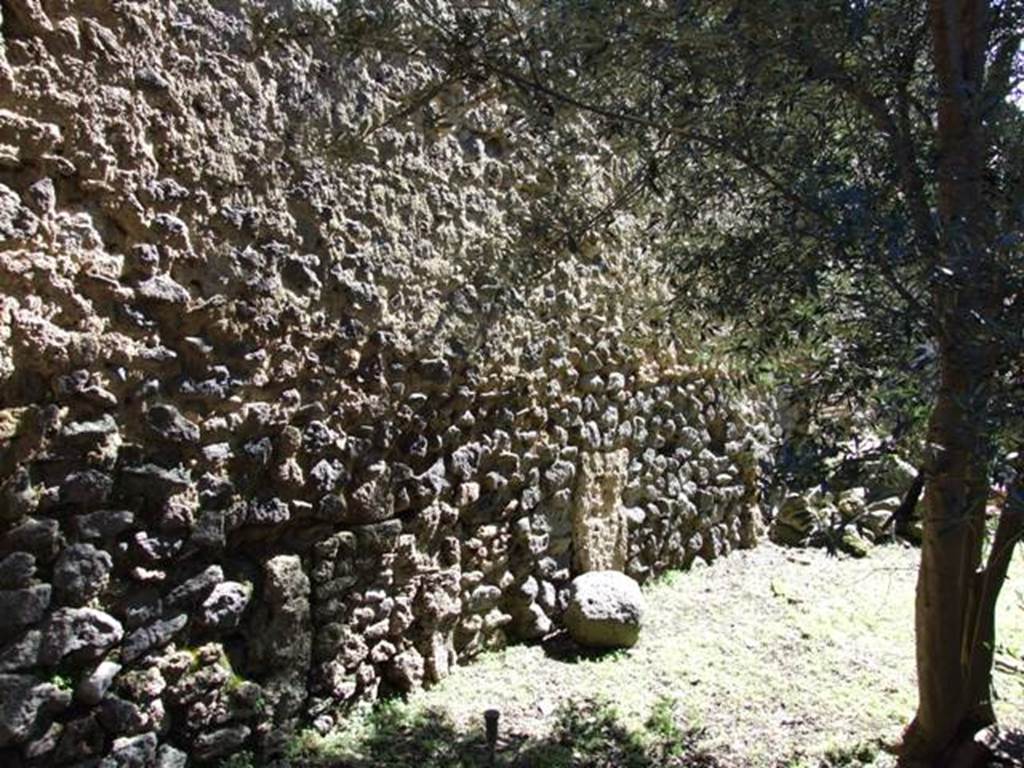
605 610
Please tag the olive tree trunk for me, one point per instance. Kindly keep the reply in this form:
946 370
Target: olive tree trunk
948 589
956 604
956 595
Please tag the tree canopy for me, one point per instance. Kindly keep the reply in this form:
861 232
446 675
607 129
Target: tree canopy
784 153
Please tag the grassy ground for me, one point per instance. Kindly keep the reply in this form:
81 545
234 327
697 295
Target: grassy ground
772 657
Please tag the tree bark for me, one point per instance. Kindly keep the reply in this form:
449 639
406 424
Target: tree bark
956 491
990 581
904 514
953 593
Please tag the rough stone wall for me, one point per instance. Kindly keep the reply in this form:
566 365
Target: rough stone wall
255 461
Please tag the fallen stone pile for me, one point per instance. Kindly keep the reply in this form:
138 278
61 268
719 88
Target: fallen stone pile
850 519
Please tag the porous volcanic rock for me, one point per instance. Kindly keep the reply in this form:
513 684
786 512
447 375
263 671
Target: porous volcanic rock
605 610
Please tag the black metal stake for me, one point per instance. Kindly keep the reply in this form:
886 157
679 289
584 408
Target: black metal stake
491 722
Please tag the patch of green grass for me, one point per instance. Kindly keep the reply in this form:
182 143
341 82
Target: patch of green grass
388 733
61 682
862 754
586 734
244 759
664 733
667 579
663 721
589 733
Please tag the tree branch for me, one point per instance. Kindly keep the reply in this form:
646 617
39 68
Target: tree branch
897 134
1009 532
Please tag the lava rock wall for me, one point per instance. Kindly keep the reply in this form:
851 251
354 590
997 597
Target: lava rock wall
265 447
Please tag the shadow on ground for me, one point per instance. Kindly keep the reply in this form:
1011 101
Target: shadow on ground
588 735
561 647
1009 749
